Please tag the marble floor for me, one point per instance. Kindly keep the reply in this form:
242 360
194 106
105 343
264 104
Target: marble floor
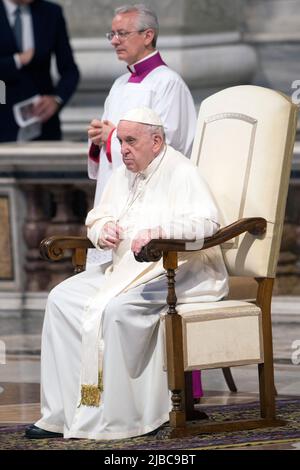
20 370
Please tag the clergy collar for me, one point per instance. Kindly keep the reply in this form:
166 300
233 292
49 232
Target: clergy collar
143 67
154 164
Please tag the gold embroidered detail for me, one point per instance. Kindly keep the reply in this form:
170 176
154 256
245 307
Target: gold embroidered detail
91 394
100 380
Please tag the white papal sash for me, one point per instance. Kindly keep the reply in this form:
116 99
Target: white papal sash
128 273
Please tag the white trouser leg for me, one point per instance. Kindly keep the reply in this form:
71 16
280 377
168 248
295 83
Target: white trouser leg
61 348
135 399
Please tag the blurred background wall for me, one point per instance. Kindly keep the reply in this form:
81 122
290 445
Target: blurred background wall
211 43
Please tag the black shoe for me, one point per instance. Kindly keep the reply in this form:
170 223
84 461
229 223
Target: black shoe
33 432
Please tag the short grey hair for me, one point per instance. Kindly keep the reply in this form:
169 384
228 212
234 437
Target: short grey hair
155 130
146 17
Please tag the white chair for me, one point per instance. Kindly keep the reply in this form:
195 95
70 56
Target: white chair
243 146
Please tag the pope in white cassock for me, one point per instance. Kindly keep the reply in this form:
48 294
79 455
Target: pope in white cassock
148 82
102 345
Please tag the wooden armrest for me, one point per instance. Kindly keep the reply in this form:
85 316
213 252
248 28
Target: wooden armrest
53 248
155 248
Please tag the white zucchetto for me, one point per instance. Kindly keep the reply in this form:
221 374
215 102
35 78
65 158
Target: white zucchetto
143 115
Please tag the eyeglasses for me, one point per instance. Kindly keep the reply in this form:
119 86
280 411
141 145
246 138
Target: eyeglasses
121 35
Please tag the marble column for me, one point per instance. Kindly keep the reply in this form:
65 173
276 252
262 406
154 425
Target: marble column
34 230
272 27
288 270
55 196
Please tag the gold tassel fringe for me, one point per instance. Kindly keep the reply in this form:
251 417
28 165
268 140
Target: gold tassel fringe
91 394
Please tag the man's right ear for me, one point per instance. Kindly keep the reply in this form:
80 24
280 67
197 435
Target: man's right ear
149 36
157 142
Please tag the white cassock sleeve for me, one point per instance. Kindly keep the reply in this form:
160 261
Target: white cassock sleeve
193 214
102 213
93 166
180 204
176 109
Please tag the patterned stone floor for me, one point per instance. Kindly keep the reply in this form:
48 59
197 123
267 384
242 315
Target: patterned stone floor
20 374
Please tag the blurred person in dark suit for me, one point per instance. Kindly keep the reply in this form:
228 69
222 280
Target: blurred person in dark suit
31 31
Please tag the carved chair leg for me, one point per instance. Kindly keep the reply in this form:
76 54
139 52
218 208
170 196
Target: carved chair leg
229 379
174 347
266 370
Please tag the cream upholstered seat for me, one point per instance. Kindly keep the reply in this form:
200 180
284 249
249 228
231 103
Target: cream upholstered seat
233 327
243 146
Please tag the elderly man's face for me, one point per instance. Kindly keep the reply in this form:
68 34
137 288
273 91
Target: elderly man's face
133 47
138 146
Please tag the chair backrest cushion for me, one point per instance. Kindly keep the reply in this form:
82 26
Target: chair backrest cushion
243 147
